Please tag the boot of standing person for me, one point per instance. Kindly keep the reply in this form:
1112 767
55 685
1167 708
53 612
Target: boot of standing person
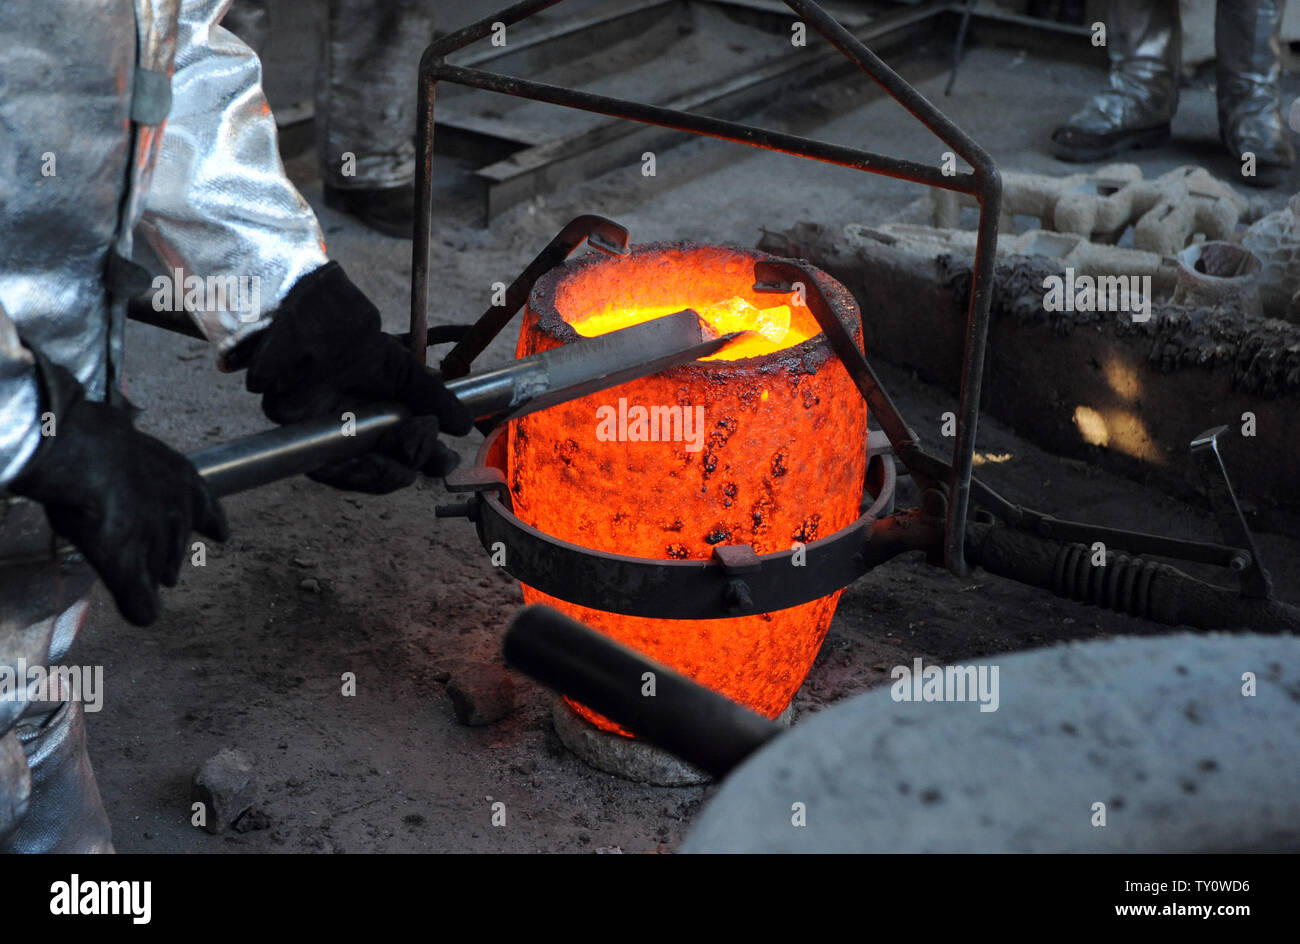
1247 72
365 109
1144 42
1135 108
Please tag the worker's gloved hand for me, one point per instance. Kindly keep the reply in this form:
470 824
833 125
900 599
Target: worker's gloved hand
325 353
127 501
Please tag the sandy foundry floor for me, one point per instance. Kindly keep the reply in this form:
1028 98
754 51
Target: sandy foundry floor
245 658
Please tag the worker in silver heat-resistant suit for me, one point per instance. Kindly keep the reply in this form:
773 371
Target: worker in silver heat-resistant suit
1144 41
365 102
128 125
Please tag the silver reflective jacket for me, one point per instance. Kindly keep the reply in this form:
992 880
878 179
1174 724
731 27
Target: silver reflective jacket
131 129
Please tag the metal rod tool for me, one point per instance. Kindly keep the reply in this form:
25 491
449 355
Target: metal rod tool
520 387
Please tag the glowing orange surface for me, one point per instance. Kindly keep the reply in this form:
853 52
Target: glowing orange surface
768 329
779 461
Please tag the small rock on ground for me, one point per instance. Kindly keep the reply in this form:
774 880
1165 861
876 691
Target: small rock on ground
226 786
481 694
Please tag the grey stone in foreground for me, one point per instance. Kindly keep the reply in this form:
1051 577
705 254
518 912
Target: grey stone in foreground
481 693
1156 729
624 757
227 787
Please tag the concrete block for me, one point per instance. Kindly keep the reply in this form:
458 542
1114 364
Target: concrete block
1162 737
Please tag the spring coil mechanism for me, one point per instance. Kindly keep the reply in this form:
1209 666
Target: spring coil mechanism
1123 584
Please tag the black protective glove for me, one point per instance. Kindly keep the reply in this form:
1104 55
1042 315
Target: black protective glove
325 353
127 501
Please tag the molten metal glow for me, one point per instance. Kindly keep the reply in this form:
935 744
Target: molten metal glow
768 328
778 459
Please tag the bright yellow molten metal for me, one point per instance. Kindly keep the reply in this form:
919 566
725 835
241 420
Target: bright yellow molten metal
769 328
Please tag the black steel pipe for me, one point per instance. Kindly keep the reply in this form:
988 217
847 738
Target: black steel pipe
781 276
178 322
483 28
988 190
651 700
972 374
793 144
898 88
422 225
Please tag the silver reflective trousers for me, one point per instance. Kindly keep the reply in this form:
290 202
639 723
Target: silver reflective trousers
49 801
133 132
1247 72
1144 42
365 86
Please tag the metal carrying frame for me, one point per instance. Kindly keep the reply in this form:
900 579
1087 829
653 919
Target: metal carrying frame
983 183
1031 546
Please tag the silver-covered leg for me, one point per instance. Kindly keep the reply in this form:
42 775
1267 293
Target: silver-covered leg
1144 42
1250 120
49 801
15 785
365 103
64 812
